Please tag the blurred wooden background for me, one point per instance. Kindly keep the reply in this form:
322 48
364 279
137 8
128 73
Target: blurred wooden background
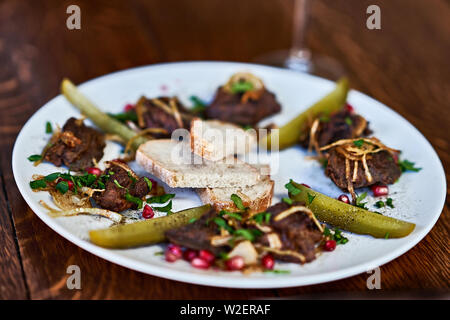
404 65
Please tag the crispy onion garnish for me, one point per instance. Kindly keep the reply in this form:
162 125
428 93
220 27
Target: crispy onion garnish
352 152
284 214
285 253
257 85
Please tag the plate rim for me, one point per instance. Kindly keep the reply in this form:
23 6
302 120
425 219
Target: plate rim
211 279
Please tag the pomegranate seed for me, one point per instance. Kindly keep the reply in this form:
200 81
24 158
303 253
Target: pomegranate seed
190 254
379 191
305 185
344 198
95 171
268 261
175 249
395 156
129 107
148 213
170 257
329 245
235 263
199 263
206 255
349 108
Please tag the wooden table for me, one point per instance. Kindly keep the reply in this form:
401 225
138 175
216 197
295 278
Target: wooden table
404 65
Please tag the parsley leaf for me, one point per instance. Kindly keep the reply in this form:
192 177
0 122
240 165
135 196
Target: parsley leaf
199 105
389 202
149 183
166 208
48 127
52 176
34 157
348 121
379 204
161 199
238 201
235 215
38 184
248 234
359 143
62 187
310 198
406 165
133 199
359 200
241 86
118 184
223 224
291 188
125 116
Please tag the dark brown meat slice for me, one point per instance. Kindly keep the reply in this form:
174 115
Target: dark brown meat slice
341 125
197 235
76 146
381 165
113 198
155 117
297 232
231 108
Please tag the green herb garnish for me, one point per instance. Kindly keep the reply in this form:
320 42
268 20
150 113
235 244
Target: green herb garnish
38 184
118 184
406 165
159 253
161 199
386 236
248 234
62 187
359 143
124 116
149 183
48 127
277 271
35 157
133 199
389 202
238 202
222 224
199 105
235 215
287 200
348 121
359 200
336 235
262 216
52 176
241 86
310 198
166 208
191 220
379 204
291 188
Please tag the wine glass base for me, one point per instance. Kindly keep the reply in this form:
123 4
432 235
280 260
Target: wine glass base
315 64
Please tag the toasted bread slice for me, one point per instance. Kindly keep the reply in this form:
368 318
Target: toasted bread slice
215 140
257 197
175 164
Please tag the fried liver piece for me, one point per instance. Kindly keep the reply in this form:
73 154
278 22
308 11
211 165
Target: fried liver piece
76 146
382 167
235 108
341 125
197 235
120 182
297 232
154 116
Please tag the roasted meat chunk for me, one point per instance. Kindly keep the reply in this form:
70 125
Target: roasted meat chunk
121 183
162 113
76 146
381 165
296 233
344 124
197 235
242 108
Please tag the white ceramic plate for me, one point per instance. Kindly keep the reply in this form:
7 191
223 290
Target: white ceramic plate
418 197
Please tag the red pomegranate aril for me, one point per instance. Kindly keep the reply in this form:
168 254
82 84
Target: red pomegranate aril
379 191
268 261
305 185
199 263
235 263
329 245
206 255
69 183
175 249
129 107
349 108
95 171
344 198
190 254
170 257
148 213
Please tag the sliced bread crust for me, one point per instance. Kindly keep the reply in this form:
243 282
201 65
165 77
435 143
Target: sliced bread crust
215 140
257 197
175 164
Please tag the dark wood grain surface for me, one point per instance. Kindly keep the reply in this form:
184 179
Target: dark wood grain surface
404 65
